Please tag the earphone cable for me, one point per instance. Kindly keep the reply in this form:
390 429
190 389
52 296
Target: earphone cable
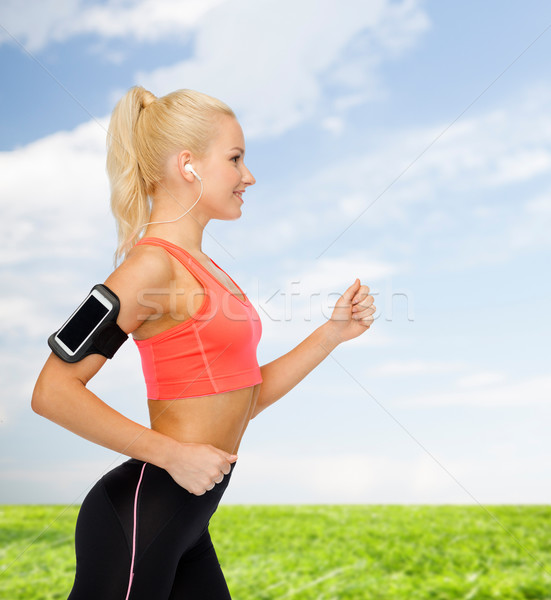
177 218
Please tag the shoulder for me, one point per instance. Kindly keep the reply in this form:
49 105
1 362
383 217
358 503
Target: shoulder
144 266
145 269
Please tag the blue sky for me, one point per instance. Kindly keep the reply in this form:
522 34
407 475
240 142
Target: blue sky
405 143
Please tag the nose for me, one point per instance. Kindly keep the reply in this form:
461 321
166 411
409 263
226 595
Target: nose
247 177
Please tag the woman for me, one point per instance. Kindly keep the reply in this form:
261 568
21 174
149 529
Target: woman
174 164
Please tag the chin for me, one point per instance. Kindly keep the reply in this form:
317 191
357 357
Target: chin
227 217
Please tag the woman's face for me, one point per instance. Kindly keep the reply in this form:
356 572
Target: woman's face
223 171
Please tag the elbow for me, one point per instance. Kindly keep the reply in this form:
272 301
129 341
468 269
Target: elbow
53 389
45 398
39 400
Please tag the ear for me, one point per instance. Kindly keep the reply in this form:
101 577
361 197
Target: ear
183 159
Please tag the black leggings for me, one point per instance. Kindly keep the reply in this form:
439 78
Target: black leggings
174 556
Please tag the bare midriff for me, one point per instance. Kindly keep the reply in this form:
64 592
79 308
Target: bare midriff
219 419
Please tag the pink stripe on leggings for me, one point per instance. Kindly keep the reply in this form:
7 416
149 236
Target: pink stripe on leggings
134 532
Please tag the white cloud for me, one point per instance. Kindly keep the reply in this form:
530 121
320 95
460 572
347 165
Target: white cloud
19 315
484 151
45 21
304 294
144 20
530 229
335 125
37 22
65 481
485 391
414 367
463 196
56 196
371 479
540 206
328 277
481 379
272 65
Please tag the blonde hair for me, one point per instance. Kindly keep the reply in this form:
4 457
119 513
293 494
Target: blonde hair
144 130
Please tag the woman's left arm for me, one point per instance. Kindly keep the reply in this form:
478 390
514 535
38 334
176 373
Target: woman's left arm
352 316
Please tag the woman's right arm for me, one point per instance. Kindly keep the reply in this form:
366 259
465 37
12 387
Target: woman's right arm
61 395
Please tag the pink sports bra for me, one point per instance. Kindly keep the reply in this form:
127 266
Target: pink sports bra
213 351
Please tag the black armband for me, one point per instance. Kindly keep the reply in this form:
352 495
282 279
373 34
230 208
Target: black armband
91 329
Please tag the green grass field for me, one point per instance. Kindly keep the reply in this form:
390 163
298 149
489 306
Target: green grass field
322 552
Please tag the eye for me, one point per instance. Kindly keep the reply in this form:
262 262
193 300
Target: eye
236 158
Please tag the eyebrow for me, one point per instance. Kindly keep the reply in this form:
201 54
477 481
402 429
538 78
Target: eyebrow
238 148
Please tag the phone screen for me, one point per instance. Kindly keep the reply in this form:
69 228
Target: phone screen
83 322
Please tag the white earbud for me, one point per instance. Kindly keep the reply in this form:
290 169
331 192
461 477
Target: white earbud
190 169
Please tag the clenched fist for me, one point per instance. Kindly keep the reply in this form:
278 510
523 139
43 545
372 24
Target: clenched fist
353 312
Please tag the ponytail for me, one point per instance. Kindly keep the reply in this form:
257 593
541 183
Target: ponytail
130 202
143 131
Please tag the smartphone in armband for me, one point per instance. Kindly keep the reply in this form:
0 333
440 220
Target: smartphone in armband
91 329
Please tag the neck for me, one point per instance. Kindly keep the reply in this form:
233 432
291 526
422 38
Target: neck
186 233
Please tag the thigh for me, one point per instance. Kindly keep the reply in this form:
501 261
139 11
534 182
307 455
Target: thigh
199 575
